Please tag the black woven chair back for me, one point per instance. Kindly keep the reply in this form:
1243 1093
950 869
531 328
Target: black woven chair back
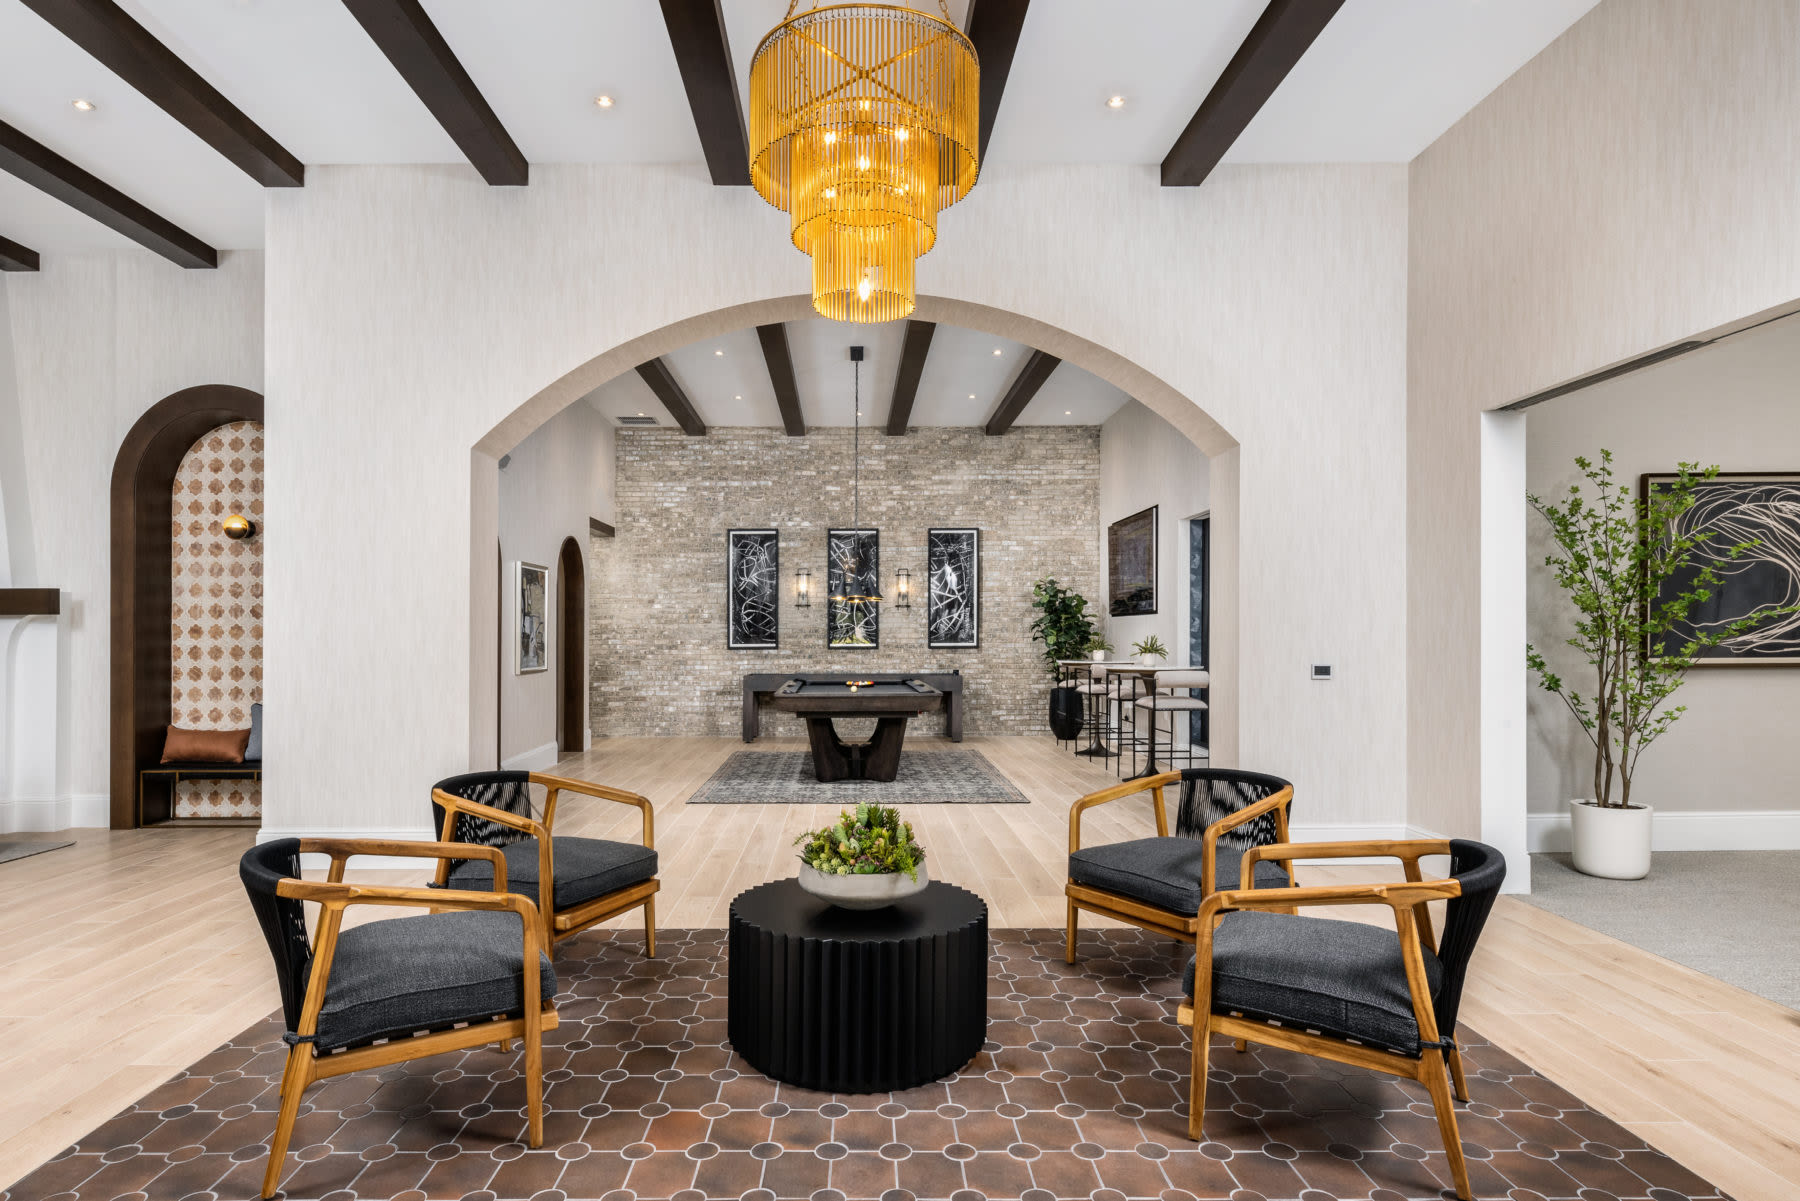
283 920
506 790
1211 793
1481 869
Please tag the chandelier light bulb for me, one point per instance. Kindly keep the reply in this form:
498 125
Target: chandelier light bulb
864 288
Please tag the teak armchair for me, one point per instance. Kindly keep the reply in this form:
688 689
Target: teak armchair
387 991
1341 990
576 882
1158 883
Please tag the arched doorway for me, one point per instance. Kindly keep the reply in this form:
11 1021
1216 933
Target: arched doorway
571 649
143 480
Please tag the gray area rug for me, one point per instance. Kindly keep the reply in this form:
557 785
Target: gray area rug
23 850
955 777
1734 915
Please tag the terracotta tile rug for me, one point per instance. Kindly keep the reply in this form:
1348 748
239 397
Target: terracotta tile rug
1080 1092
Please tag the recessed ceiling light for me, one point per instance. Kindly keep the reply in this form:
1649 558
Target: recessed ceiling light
971 396
83 106
737 398
997 350
603 101
718 354
640 414
1067 413
1115 102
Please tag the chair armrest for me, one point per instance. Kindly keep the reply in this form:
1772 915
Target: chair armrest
1275 803
1151 784
1407 851
560 784
342 849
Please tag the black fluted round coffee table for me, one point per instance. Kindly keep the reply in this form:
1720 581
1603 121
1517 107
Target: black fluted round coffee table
857 1001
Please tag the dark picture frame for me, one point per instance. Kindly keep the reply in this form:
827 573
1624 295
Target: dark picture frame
852 568
1131 564
752 590
1745 506
531 618
953 588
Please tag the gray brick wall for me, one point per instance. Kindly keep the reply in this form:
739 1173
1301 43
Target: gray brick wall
659 664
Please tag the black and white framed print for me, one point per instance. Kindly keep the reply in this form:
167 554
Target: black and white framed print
753 616
1131 564
531 623
853 589
1739 507
953 588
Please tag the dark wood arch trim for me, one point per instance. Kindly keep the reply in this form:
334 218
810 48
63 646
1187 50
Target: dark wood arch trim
143 480
571 648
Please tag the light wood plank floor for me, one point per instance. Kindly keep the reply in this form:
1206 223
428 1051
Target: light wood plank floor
130 955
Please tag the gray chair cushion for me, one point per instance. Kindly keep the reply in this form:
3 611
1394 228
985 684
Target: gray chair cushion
585 868
393 978
1165 872
1341 978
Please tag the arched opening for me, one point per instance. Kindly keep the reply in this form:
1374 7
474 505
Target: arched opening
142 513
571 649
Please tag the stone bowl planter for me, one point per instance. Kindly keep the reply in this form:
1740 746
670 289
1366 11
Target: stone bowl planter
876 891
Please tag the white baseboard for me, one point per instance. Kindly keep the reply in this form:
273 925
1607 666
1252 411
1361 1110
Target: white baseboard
361 862
1689 830
46 815
536 759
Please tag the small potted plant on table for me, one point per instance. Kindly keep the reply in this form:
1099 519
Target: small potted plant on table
1150 651
867 860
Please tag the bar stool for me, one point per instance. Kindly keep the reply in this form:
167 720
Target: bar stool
1097 688
1171 693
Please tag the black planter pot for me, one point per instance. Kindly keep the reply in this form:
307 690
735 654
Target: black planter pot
1066 713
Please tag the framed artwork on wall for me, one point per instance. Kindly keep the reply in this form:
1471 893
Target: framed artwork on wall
531 610
1131 564
753 568
853 589
953 588
1738 507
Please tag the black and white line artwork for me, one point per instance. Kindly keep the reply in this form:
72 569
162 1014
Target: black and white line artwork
852 584
754 620
1740 507
953 572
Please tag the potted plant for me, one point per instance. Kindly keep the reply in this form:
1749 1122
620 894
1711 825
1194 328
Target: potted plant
1062 623
1634 573
1150 651
866 860
1099 648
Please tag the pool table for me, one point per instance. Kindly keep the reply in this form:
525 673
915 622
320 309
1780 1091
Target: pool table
889 702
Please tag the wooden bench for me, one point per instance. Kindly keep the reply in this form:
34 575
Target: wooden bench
161 810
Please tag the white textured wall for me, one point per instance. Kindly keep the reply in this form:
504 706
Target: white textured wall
421 308
1734 405
1631 185
1144 462
97 339
556 479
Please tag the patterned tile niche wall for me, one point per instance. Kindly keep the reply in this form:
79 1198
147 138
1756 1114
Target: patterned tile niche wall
218 605
659 663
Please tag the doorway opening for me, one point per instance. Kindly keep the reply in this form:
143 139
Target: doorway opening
571 650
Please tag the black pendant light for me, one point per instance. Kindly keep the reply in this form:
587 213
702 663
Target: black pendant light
858 583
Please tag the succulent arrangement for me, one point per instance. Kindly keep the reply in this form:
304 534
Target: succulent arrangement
871 841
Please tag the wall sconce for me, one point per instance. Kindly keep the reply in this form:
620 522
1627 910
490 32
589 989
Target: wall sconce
237 527
902 588
803 589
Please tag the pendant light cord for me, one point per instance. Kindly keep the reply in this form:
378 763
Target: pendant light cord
856 458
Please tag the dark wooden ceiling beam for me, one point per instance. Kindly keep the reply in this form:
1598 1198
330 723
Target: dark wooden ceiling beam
1025 385
781 376
131 52
993 26
906 379
703 52
424 59
656 374
1275 43
50 172
14 257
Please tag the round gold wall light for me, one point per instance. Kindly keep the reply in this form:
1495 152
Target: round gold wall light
237 527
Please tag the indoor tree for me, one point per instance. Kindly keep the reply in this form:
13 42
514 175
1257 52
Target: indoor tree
1062 623
1634 572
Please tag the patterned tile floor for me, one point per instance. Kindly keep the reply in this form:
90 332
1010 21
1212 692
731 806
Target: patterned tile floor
1080 1092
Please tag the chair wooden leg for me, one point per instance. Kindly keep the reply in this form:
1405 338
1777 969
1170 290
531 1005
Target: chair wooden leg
1197 1077
534 1083
293 1083
1456 1074
1069 950
1437 1080
1240 1044
650 927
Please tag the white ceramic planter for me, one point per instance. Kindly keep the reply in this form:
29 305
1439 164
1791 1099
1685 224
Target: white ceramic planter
1099 656
1149 660
1613 844
861 892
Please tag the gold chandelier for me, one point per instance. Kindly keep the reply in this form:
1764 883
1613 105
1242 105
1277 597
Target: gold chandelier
864 123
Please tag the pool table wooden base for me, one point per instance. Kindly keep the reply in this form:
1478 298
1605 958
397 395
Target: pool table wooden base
876 759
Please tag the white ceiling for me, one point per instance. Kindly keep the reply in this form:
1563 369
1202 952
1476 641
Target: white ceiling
1384 80
727 380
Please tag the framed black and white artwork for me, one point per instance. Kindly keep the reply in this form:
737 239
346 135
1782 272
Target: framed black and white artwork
753 567
1131 564
1738 507
853 589
531 618
953 588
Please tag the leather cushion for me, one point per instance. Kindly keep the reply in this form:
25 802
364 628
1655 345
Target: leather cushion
204 746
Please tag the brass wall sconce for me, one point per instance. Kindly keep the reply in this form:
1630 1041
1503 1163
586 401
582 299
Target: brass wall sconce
803 589
237 527
902 588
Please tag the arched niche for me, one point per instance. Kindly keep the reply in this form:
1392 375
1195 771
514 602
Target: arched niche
571 648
